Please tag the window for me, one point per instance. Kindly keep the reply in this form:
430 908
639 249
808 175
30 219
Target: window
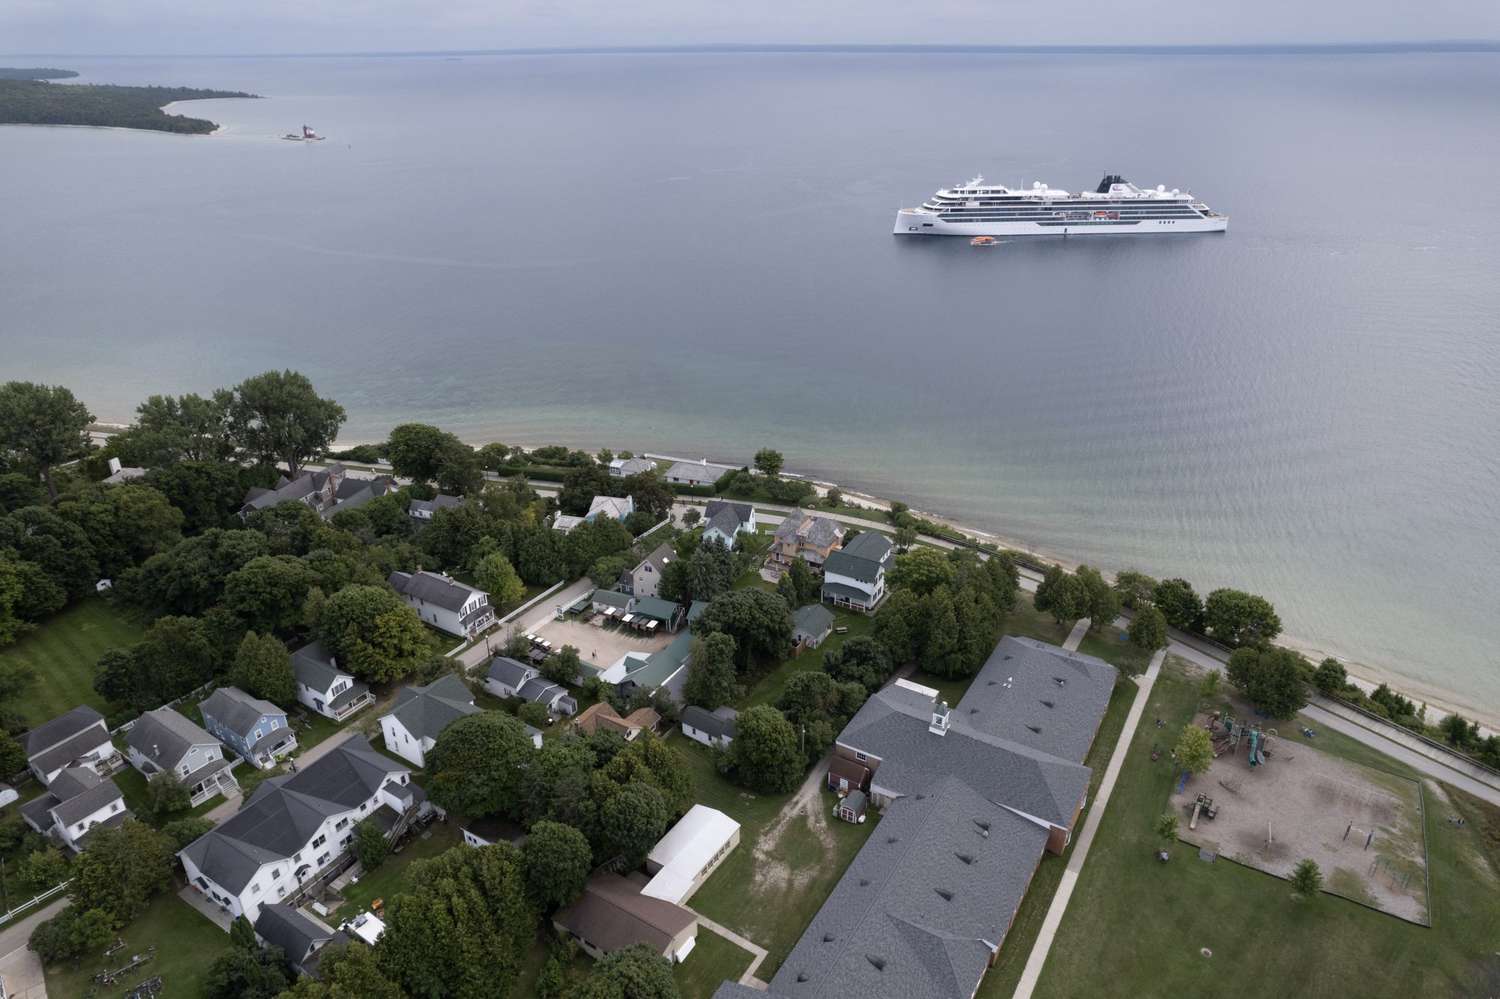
341 823
275 874
860 757
319 842
258 733
323 860
275 724
254 888
345 841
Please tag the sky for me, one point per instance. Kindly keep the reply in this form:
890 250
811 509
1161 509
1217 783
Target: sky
212 27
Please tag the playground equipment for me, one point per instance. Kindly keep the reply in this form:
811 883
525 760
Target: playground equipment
1255 747
1204 805
136 960
148 989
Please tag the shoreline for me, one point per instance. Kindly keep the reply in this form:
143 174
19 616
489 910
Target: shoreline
1367 676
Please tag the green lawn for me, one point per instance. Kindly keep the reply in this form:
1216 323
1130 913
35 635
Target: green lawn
62 653
389 878
1135 927
713 960
132 785
1028 622
186 944
768 689
770 903
1112 648
1002 978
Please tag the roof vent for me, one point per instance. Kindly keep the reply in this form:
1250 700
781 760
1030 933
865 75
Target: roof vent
966 858
828 938
973 711
921 797
1048 704
1006 657
864 882
893 839
981 823
801 976
878 962
944 894
992 683
1059 681
1035 729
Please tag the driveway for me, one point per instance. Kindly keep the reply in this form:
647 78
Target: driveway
20 969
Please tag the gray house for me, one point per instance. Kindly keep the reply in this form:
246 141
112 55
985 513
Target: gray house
645 579
77 802
164 741
284 926
325 491
854 575
420 715
724 521
253 728
77 738
507 677
325 688
424 510
712 728
810 625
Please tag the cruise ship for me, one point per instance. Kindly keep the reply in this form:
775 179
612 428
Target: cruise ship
1115 206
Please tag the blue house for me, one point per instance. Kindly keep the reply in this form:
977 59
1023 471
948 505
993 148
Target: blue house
253 728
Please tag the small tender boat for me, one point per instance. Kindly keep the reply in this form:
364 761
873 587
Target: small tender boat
983 241
308 135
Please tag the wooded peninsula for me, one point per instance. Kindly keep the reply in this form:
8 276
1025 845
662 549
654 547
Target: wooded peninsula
27 99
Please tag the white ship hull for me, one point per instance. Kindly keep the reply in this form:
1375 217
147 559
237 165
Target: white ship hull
915 222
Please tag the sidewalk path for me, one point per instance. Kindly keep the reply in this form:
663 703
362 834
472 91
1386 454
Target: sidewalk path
20 969
759 952
1075 637
1038 958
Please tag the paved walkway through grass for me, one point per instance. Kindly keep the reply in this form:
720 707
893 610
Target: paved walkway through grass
748 978
1033 970
1075 637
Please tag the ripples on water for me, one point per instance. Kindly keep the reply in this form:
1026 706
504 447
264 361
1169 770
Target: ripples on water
692 253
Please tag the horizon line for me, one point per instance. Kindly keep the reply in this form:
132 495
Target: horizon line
1184 48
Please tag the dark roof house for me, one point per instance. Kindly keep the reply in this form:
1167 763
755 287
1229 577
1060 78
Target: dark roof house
286 927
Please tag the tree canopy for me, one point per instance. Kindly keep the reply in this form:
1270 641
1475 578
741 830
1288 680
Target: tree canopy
279 416
1271 678
375 635
759 622
44 425
1235 617
764 755
477 764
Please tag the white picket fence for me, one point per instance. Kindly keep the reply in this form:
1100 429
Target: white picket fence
50 893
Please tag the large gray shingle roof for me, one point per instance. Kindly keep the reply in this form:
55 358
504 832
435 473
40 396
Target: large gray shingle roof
868 544
429 586
282 813
510 672
893 726
716 725
1017 696
283 926
843 564
426 711
924 904
313 666
164 736
237 709
60 729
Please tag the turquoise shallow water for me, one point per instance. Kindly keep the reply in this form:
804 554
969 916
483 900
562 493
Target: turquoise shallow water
691 253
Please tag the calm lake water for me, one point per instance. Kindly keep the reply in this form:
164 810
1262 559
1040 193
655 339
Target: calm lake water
692 253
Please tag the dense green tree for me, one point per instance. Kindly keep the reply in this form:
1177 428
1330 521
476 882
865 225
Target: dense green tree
557 860
806 585
370 844
711 570
42 869
121 870
496 576
901 625
631 819
189 578
634 972
1148 629
905 537
463 928
1176 599
922 571
1238 618
278 416
415 450
1307 880
1103 599
173 658
70 934
373 633
268 592
207 492
564 666
1271 678
650 493
1330 677
169 430
1136 589
125 524
263 667
12 756
18 490
43 424
1166 827
768 462
253 973
759 622
556 784
711 681
651 760
812 697
461 472
539 557
242 934
346 971
581 485
183 831
1063 595
1195 750
606 571
477 764
764 754
165 794
944 653
588 542
59 547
